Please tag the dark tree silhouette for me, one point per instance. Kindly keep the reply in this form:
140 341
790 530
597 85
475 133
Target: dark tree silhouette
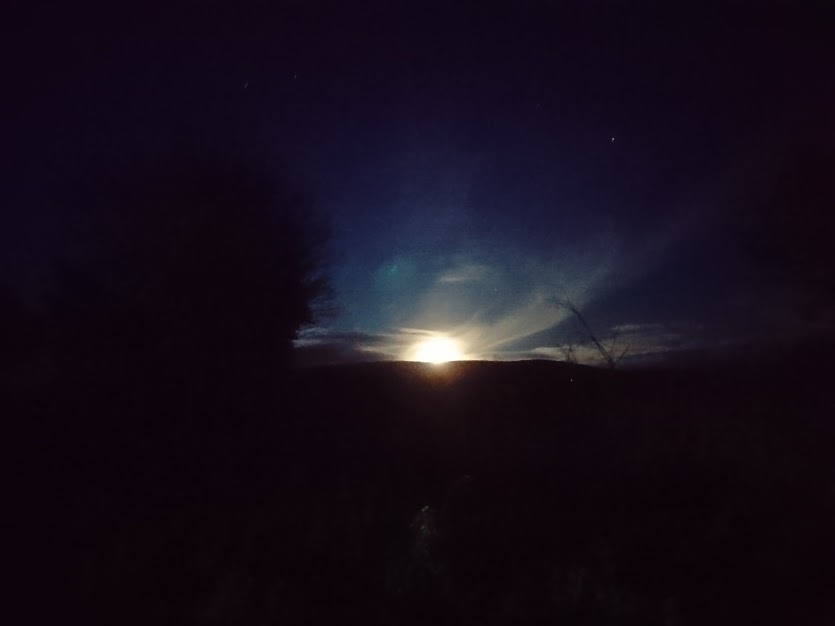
203 272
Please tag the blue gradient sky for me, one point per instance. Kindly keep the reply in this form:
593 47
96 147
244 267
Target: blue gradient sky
475 161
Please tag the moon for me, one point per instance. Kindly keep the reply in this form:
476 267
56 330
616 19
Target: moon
438 350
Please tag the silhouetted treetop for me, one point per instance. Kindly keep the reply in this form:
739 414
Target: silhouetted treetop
199 270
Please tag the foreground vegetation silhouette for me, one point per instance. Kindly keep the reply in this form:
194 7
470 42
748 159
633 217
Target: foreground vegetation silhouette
476 493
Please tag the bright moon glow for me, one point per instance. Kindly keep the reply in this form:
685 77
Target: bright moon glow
438 350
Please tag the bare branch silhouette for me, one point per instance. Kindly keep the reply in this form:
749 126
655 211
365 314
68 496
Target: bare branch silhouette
609 354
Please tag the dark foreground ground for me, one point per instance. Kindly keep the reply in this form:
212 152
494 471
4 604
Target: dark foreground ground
473 493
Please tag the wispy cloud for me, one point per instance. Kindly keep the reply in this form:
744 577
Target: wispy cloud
641 342
469 273
514 295
498 301
637 342
508 294
321 345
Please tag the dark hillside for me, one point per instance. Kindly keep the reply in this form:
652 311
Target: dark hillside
474 492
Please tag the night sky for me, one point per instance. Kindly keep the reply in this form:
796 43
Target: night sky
475 161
